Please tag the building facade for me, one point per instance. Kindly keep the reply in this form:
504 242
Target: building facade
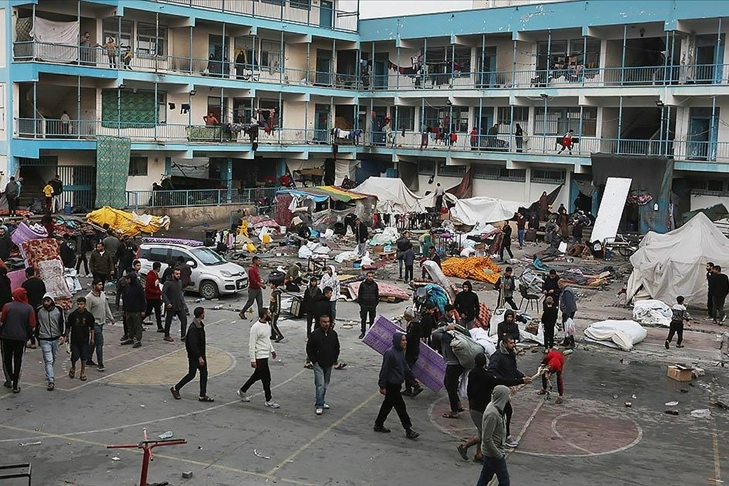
627 78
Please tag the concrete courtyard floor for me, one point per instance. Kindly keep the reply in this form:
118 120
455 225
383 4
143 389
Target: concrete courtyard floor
593 438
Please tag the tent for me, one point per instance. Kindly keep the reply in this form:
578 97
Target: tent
672 264
484 209
393 196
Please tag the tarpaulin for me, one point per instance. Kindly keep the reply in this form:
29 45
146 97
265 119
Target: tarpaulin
130 224
57 41
464 190
393 196
484 209
714 213
322 193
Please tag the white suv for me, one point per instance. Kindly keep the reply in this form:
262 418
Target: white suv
212 275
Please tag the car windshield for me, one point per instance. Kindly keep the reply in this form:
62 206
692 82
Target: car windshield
207 256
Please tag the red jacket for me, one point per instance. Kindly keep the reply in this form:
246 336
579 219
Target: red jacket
555 360
254 278
151 289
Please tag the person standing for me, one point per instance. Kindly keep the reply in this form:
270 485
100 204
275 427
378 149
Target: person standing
82 246
34 286
368 297
50 333
408 259
6 296
453 372
494 438
678 319
550 286
153 295
520 229
312 295
543 206
112 243
549 321
57 185
412 350
554 364
439 193
260 349
125 255
196 357
709 303
402 244
466 303
5 243
393 373
12 191
174 301
563 221
479 395
506 241
568 307
274 306
65 123
719 290
134 306
503 371
98 305
322 350
506 285
567 142
48 194
432 256
255 288
111 53
362 235
519 137
17 323
80 326
101 263
331 280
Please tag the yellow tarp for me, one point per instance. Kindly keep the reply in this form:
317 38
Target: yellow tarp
130 224
472 268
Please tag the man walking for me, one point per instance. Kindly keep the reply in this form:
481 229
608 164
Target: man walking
260 349
101 263
98 305
322 350
709 303
439 193
393 373
274 306
506 241
506 285
174 301
412 351
195 347
12 191
568 307
467 305
312 295
361 234
678 319
453 371
50 331
17 322
493 439
153 294
57 186
134 307
255 288
36 289
368 297
719 290
402 244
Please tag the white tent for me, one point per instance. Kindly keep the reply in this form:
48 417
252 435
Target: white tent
484 209
666 266
393 196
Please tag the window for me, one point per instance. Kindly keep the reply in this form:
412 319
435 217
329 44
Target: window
264 106
521 115
270 56
699 186
174 254
441 60
137 166
544 176
274 2
121 32
403 118
303 4
434 117
452 170
151 41
560 119
154 254
426 167
492 172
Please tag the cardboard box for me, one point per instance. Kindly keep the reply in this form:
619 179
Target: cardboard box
680 373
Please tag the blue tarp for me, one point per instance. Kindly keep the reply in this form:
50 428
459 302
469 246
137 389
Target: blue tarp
294 192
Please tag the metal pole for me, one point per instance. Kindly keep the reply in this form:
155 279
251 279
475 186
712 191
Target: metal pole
711 149
156 110
397 76
156 40
513 66
481 69
423 126
189 67
584 63
281 61
306 121
118 111
673 46
308 60
332 64
511 124
622 63
660 135
544 125
78 107
453 64
223 63
582 118
620 121
718 53
668 127
549 56
279 121
479 125
35 110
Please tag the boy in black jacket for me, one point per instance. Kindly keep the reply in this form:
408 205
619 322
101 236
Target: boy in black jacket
80 324
312 295
274 306
195 346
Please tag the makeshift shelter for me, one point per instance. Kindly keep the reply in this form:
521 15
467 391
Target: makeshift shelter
672 264
485 209
337 204
130 224
394 197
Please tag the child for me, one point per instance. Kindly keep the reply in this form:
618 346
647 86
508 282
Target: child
408 259
127 57
80 324
549 320
554 363
48 193
680 315
275 307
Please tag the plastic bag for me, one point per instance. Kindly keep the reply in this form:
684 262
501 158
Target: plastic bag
569 327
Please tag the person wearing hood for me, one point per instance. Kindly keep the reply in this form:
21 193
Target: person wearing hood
368 297
493 439
508 327
50 334
36 289
134 307
467 305
479 395
17 322
412 351
80 326
331 280
393 373
503 371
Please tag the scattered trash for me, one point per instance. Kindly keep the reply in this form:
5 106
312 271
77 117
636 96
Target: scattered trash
26 444
202 299
697 372
701 413
713 480
218 307
567 352
671 404
257 454
166 435
721 404
115 458
628 404
187 474
142 406
671 412
616 396
684 390
634 397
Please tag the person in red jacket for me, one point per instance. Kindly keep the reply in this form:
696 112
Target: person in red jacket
554 362
153 294
255 288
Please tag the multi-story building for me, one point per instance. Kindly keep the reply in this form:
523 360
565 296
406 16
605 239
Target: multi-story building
637 79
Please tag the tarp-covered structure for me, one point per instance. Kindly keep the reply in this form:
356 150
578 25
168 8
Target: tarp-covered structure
394 197
130 224
339 203
672 264
484 209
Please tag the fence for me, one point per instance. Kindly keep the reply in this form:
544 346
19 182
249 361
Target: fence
199 197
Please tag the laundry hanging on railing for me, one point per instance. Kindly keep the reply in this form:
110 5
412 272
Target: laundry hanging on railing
57 41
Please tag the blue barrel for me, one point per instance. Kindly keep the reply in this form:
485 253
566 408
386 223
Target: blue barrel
67 208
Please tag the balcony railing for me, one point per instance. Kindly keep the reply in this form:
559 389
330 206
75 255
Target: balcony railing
199 197
692 74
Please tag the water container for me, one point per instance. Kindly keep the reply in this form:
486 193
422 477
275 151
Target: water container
67 208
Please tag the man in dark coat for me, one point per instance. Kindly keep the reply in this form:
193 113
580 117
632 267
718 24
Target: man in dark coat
368 297
195 346
322 350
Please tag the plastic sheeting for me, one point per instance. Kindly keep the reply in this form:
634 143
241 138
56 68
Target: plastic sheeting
673 264
616 334
130 224
393 196
57 41
483 209
652 312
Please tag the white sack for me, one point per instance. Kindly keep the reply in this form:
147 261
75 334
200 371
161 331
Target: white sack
613 333
652 312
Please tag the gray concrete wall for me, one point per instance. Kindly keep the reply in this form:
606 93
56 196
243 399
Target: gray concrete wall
197 215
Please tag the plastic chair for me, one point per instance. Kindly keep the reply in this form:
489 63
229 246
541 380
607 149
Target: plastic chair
530 298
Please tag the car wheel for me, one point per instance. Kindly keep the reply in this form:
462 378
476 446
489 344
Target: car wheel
209 290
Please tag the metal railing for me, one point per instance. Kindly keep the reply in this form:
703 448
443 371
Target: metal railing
200 197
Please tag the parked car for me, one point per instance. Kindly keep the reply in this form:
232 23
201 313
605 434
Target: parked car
212 275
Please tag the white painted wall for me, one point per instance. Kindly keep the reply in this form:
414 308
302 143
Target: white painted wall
155 167
3 38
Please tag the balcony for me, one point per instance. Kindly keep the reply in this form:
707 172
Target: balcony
198 197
